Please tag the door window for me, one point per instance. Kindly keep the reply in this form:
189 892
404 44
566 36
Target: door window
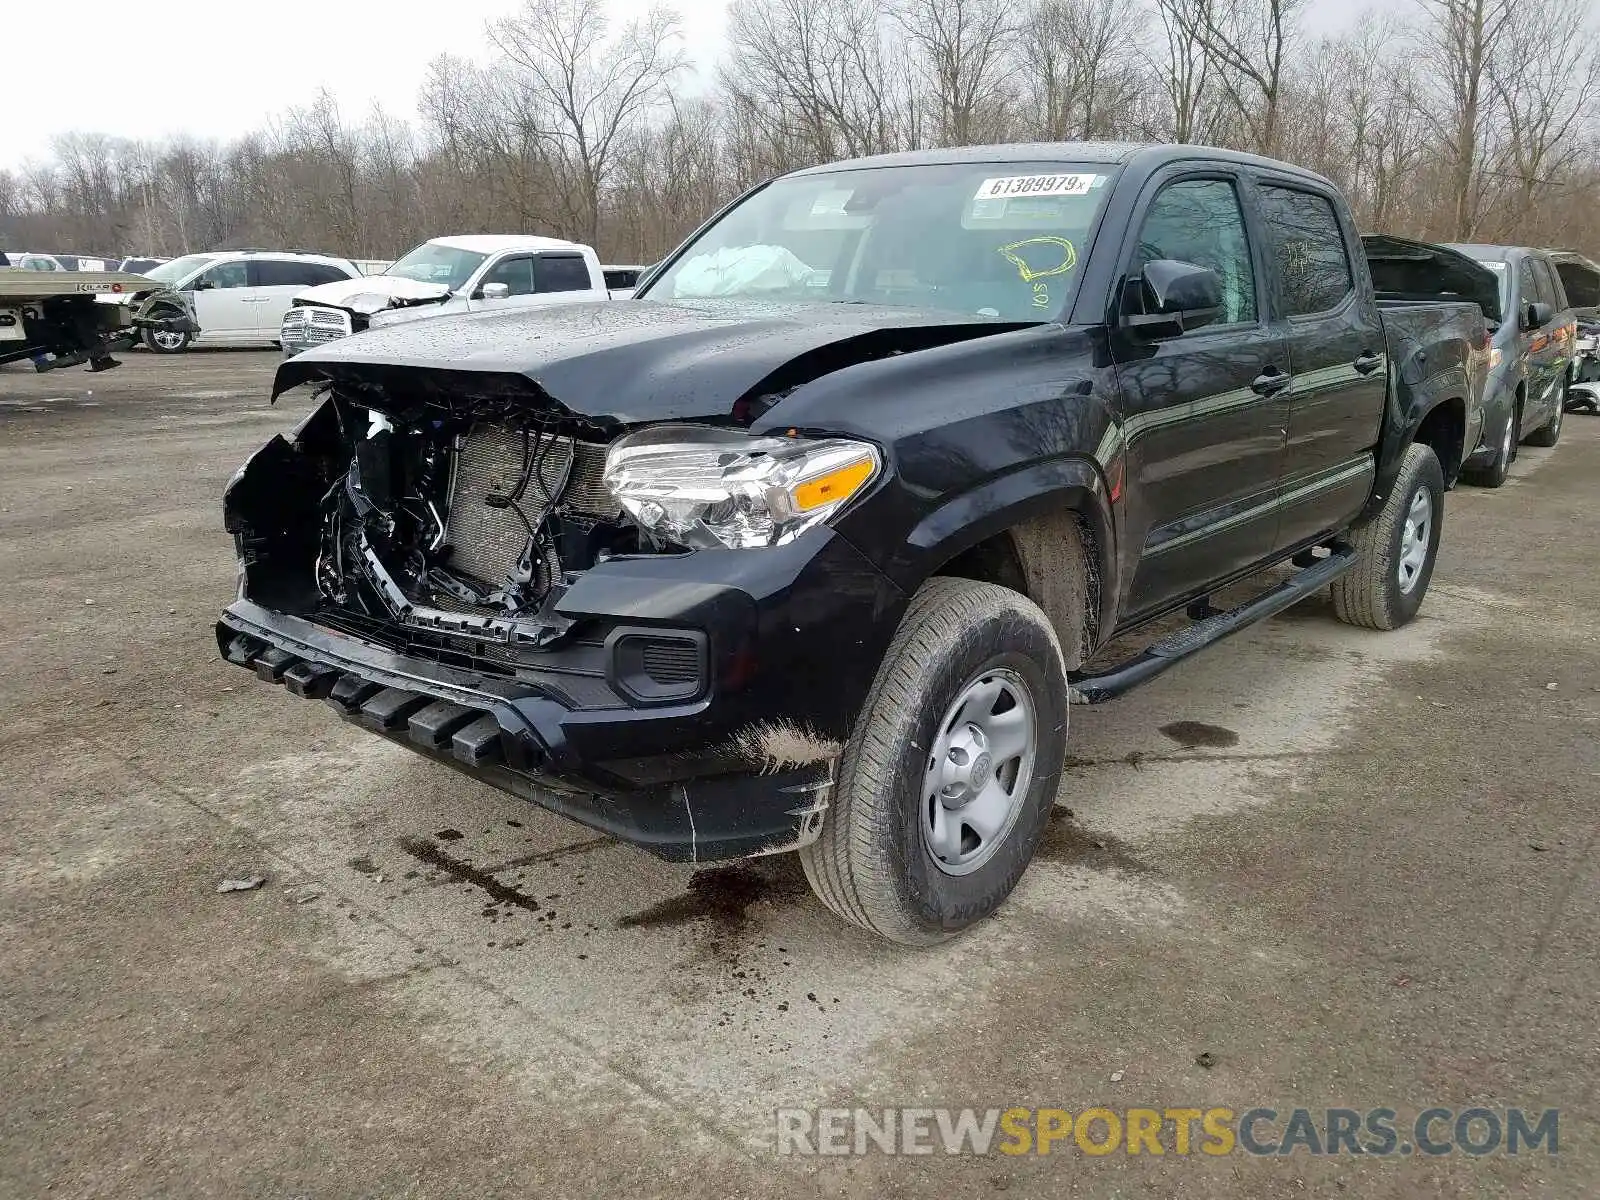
1549 286
1309 249
1199 221
227 275
1527 290
562 273
289 273
515 273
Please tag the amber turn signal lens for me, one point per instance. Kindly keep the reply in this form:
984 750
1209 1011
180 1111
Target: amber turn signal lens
836 485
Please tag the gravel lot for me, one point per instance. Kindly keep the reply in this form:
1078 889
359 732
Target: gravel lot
1355 869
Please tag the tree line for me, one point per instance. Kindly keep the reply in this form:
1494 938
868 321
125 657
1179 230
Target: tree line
1454 120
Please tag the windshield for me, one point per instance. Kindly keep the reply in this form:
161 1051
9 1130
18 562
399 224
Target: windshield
174 272
433 263
985 239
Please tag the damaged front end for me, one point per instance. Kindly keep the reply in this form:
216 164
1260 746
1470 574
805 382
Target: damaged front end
447 563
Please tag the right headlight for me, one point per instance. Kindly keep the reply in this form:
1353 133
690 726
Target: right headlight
707 488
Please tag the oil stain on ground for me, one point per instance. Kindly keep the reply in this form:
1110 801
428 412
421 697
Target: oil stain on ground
1064 841
428 852
721 895
1192 735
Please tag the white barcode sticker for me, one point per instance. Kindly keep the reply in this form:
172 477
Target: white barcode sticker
1035 185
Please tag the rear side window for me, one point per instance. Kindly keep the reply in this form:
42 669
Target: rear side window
561 273
272 272
1309 248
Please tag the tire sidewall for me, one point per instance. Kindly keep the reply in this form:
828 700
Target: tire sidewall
936 901
1423 470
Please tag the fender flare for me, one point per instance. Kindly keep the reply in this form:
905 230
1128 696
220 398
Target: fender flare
1073 484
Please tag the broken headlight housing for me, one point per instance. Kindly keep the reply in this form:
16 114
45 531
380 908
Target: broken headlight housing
708 488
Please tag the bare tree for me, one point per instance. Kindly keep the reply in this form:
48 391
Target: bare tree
1542 101
964 47
1456 41
596 88
1248 42
1082 70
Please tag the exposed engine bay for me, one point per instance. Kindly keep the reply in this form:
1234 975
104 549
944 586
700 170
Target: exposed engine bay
463 519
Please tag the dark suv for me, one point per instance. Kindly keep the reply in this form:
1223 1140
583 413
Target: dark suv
1529 359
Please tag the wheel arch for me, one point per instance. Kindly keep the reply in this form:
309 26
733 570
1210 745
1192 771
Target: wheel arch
1029 531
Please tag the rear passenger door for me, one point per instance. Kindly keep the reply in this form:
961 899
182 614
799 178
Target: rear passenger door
1203 412
278 282
1337 355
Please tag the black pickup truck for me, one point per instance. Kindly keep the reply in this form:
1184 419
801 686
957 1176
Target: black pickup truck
810 546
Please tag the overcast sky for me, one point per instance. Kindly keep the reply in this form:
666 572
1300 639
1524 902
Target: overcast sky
220 68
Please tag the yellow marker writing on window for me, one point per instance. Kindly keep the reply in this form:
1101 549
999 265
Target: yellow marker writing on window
1036 258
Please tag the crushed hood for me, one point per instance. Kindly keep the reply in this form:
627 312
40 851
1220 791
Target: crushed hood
396 289
630 361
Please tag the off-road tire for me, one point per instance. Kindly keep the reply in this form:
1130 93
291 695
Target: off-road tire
870 864
1550 433
148 336
1369 594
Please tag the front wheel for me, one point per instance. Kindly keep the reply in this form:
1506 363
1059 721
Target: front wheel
1396 550
166 341
947 783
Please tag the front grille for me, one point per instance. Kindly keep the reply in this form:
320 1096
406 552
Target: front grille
488 542
307 326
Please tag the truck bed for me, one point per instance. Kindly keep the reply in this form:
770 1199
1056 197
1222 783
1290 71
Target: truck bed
19 285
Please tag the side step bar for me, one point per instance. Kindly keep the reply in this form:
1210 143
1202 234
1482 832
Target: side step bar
1101 686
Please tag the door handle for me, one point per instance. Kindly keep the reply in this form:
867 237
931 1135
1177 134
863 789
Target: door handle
1368 362
1270 382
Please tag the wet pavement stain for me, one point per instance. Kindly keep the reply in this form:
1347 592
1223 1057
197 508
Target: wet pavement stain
1191 735
364 864
719 894
1064 841
425 851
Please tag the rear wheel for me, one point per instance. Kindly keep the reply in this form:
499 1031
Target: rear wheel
947 783
1396 550
1550 433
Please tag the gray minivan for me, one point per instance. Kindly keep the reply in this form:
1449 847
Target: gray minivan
1529 359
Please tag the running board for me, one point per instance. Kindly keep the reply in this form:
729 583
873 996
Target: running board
1101 686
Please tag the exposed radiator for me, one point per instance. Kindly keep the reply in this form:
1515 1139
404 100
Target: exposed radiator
489 542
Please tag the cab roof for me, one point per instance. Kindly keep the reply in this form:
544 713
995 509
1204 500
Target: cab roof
1145 157
494 243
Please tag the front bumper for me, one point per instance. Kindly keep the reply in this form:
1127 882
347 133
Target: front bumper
794 635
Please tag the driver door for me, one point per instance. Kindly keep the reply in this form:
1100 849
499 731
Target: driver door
1204 413
224 303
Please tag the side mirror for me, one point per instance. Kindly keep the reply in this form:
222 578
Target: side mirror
204 285
495 291
1538 315
1175 297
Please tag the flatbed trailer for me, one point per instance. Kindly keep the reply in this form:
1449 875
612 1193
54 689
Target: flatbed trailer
79 318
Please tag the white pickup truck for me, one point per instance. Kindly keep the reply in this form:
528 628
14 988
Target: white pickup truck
467 273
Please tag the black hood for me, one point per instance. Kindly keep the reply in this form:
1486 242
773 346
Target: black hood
630 361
